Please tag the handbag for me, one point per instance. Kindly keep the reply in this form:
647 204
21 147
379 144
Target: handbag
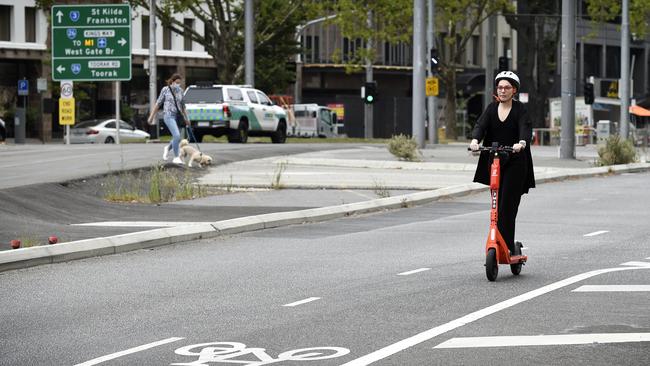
180 118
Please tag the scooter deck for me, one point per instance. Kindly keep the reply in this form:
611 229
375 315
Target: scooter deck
518 259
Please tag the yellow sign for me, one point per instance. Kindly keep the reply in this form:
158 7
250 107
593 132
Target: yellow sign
66 111
432 87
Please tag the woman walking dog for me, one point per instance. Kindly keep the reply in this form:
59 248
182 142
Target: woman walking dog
171 100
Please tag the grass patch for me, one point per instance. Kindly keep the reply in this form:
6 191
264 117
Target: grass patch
380 190
155 185
277 175
616 151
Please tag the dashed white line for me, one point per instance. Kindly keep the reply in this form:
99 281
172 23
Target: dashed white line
544 340
613 288
413 271
112 356
302 301
469 318
596 233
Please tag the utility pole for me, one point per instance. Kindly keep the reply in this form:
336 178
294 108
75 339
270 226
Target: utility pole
249 42
432 106
624 91
568 85
297 92
418 72
153 78
368 107
490 58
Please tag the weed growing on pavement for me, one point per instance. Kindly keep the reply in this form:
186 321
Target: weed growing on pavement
277 175
616 151
156 185
380 189
30 240
404 148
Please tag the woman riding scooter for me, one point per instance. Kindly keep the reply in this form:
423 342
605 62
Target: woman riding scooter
506 121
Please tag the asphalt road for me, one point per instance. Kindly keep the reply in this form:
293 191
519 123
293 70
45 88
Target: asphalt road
36 201
266 296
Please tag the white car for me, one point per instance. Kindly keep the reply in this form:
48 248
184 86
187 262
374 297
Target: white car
102 131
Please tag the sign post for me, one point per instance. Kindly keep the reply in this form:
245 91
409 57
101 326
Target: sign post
66 108
92 43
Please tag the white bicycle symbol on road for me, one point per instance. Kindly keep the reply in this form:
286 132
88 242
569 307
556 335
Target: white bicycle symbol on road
230 352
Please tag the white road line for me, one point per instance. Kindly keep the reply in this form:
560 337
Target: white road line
648 258
544 340
141 223
597 233
613 288
413 271
636 264
457 323
113 356
302 301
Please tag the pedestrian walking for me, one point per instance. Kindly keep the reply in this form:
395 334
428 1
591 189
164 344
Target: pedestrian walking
506 121
3 132
174 116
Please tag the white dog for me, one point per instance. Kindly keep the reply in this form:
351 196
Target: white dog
193 154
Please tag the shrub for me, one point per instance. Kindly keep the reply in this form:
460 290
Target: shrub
616 151
404 148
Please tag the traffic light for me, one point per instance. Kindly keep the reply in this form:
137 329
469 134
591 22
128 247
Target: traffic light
589 93
434 60
503 63
371 92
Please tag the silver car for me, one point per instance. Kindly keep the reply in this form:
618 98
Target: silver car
102 131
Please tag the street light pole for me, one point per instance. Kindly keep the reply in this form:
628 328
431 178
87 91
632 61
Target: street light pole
568 84
625 71
417 122
153 83
297 92
249 42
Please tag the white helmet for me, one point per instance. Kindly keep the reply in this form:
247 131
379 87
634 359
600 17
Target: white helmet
508 75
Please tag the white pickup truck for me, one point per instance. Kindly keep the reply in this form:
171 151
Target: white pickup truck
237 111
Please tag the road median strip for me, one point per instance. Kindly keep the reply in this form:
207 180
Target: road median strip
33 256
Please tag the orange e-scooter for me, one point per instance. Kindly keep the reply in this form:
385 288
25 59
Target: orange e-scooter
496 250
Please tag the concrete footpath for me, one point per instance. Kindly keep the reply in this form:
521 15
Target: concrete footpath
349 181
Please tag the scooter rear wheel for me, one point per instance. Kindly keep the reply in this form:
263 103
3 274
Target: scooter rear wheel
491 266
516 268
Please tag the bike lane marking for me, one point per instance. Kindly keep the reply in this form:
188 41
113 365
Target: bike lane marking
302 302
469 318
413 271
596 233
544 340
115 355
613 288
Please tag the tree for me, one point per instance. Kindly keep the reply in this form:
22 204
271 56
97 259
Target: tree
538 33
391 21
462 17
601 11
223 37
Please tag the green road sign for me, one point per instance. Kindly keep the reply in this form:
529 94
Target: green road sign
91 42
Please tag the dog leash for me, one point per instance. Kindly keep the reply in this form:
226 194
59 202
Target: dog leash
192 137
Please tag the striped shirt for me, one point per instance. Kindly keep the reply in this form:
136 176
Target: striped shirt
169 107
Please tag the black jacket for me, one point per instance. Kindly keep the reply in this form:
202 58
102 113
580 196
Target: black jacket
521 129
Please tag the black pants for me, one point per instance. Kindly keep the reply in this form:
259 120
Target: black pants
513 174
3 132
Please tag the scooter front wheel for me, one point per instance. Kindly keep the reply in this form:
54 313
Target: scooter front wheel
491 266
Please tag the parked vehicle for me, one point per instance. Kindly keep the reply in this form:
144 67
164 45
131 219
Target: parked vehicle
237 111
313 120
102 131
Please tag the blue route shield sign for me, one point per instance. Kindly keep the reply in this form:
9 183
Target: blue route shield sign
72 33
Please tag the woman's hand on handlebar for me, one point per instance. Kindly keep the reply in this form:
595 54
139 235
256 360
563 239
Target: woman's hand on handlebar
474 145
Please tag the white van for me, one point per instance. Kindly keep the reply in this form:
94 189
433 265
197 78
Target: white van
312 120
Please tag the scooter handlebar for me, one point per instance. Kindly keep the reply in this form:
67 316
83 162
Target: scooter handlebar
494 149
